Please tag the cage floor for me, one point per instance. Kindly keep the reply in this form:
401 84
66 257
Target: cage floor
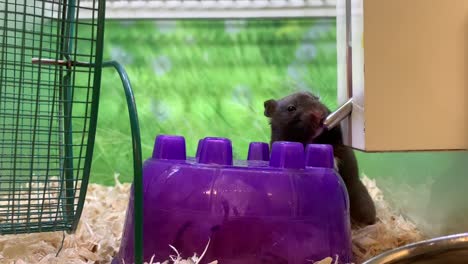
98 236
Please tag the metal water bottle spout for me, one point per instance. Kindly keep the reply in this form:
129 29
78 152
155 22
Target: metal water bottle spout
334 118
338 115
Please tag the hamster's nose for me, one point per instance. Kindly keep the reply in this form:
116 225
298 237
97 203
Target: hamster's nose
316 117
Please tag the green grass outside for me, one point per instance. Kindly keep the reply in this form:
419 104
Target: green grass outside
206 78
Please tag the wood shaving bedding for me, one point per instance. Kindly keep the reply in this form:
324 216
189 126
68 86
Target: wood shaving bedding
97 238
392 230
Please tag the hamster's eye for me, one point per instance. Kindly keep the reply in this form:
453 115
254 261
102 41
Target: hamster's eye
291 108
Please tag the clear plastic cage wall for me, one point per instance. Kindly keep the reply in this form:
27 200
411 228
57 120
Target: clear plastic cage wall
50 70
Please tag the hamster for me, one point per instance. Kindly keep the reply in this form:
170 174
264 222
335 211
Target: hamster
297 117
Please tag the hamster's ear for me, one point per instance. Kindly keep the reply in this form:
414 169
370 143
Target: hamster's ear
270 107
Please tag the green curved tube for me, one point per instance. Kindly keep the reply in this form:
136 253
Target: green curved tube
137 159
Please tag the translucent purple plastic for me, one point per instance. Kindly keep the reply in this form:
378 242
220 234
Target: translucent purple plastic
289 206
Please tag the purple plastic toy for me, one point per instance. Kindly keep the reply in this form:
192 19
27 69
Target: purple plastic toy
290 207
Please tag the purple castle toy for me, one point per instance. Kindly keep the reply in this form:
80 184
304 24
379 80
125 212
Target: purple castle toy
287 207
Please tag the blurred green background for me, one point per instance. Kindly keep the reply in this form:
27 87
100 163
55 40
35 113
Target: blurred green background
201 78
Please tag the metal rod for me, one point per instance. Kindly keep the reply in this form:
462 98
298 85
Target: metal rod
49 61
337 116
66 63
137 160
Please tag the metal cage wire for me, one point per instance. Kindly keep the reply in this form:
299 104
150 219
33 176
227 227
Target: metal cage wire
48 111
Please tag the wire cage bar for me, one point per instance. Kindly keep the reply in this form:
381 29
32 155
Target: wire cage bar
48 111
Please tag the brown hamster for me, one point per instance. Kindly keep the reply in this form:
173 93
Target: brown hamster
297 117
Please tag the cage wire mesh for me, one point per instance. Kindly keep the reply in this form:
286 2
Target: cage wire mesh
46 115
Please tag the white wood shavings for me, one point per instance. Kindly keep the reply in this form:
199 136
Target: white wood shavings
327 260
97 238
390 231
